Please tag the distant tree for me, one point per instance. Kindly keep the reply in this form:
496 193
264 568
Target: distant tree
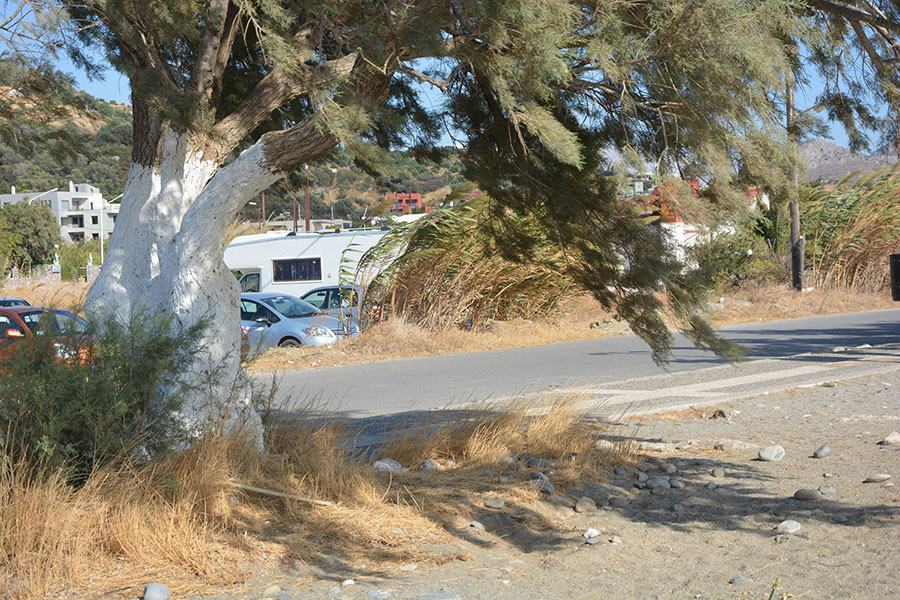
37 231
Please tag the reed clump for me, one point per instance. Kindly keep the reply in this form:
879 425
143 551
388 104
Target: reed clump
852 229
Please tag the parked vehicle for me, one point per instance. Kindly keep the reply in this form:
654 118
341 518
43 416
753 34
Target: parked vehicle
288 263
283 320
337 301
18 322
14 302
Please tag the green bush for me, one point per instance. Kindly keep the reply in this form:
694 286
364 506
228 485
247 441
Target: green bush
78 401
725 259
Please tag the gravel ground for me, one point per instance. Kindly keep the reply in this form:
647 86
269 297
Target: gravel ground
715 537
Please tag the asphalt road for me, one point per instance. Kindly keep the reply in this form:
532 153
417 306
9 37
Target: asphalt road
440 381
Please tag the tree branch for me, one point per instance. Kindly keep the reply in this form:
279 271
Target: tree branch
203 82
276 89
853 13
866 43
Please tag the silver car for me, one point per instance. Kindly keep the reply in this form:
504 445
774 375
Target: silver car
337 301
272 319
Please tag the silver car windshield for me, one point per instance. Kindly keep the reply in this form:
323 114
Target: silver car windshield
291 307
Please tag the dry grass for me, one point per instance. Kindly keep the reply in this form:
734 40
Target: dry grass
770 302
66 294
184 520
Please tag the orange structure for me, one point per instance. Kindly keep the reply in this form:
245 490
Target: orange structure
401 202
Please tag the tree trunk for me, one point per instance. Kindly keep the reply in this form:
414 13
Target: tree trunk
166 256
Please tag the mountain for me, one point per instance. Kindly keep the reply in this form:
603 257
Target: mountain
829 162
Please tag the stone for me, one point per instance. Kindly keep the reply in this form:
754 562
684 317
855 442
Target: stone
877 478
788 526
739 579
678 508
347 582
156 591
438 595
585 504
807 495
642 477
892 439
658 482
659 491
840 518
504 479
771 453
477 525
620 471
538 463
388 465
507 460
429 464
526 456
590 533
822 451
495 503
711 486
826 489
605 446
379 594
544 485
618 502
449 463
539 475
668 469
272 590
615 540
676 483
718 472
827 475
334 591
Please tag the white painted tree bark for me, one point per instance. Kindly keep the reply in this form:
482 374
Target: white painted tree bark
166 256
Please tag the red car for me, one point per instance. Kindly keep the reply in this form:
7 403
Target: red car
17 322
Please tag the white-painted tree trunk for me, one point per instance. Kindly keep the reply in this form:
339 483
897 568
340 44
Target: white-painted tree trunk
166 256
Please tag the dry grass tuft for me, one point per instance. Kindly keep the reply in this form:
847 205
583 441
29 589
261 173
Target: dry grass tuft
184 519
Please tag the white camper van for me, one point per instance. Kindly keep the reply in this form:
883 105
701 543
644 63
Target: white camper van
296 263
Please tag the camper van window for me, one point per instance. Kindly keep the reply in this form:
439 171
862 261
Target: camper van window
297 269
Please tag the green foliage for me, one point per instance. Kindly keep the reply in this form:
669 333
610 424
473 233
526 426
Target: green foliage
725 257
74 257
37 231
102 401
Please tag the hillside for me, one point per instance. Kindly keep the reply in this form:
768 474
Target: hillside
87 140
829 162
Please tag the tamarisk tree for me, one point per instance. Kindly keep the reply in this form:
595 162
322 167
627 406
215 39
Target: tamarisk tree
229 96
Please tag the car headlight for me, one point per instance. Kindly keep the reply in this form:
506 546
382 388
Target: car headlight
316 331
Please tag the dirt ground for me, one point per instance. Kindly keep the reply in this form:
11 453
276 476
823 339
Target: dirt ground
715 537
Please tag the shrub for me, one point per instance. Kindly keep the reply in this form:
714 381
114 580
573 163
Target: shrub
725 258
77 401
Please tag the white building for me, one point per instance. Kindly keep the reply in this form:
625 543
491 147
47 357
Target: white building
81 212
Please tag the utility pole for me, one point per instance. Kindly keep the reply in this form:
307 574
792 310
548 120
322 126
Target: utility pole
263 213
797 241
306 170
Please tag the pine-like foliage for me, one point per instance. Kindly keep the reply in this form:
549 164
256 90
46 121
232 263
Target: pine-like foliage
535 89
